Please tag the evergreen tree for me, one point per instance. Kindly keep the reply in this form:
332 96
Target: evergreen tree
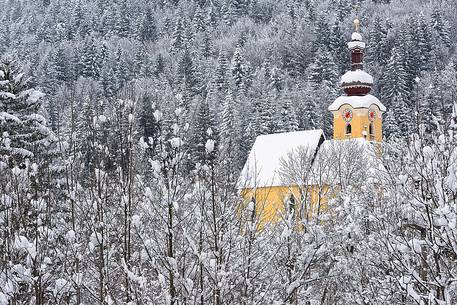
148 28
321 34
148 125
394 80
238 69
403 116
238 8
159 65
188 76
204 129
90 60
378 50
206 46
198 21
324 71
220 74
61 66
440 27
390 126
424 39
287 115
229 130
23 129
178 38
123 20
338 46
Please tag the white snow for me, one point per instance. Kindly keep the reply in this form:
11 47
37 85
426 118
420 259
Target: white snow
209 146
176 142
263 164
34 95
5 116
356 102
356 77
356 36
3 299
157 115
70 236
356 44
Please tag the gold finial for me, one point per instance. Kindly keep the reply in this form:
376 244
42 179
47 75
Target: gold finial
356 8
357 25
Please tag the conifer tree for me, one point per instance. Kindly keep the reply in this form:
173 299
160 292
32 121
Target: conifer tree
324 71
204 129
220 74
238 69
338 46
289 120
378 50
229 150
148 126
123 20
148 28
90 65
178 38
23 130
424 39
188 77
394 82
440 27
390 126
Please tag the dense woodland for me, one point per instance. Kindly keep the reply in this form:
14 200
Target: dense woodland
124 126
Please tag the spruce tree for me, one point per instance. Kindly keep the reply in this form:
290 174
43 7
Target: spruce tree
338 47
288 114
188 76
148 28
148 126
220 74
204 129
228 130
441 28
378 42
394 81
237 69
23 130
324 71
90 65
178 38
390 126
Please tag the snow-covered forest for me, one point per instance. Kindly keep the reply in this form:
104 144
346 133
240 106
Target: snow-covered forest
124 125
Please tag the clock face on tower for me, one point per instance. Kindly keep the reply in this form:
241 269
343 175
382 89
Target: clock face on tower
347 115
371 114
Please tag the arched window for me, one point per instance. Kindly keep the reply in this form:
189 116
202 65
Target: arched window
371 129
348 129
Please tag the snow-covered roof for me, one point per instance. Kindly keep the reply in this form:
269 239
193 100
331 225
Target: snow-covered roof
356 102
356 77
356 44
264 162
356 36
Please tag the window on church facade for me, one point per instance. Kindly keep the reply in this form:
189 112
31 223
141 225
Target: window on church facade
348 129
371 131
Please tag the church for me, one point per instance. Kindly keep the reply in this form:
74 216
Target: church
297 166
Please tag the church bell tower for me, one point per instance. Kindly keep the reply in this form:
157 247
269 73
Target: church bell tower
357 114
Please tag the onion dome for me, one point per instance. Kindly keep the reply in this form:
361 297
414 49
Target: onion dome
356 82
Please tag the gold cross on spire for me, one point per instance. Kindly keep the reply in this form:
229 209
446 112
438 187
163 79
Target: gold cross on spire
356 8
357 25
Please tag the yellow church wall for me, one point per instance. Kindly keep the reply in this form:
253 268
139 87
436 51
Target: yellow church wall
359 123
270 201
